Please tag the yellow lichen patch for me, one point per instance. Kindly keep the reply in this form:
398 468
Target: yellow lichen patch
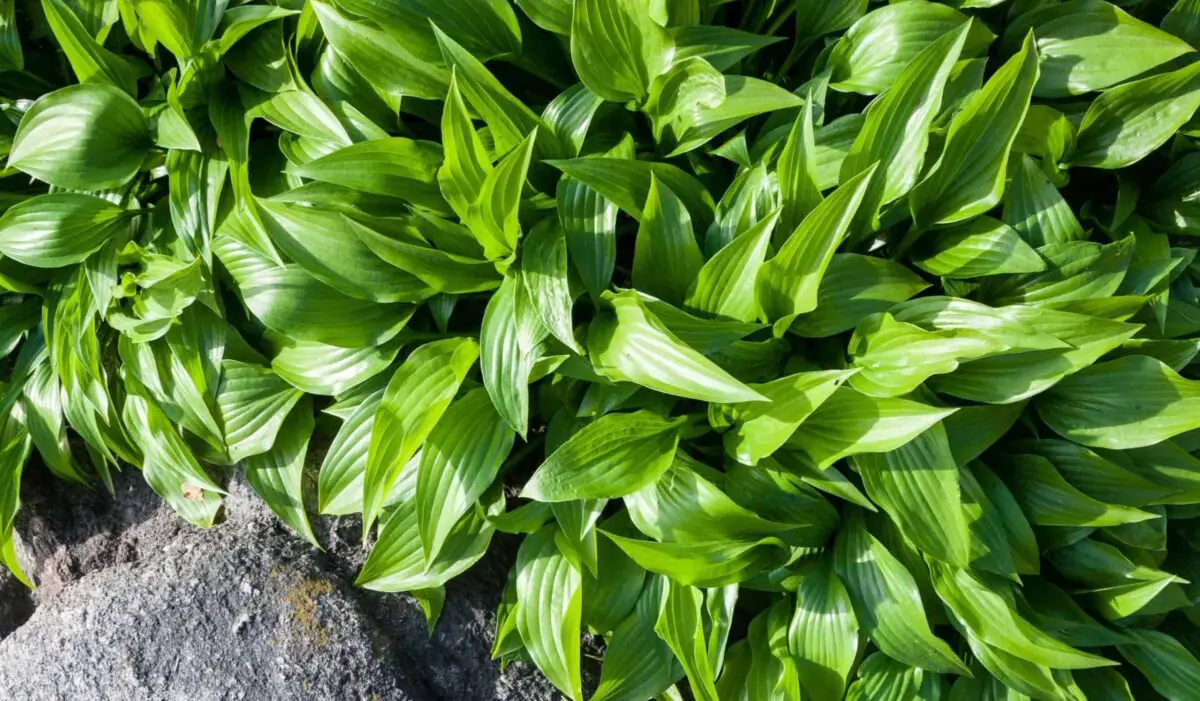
303 600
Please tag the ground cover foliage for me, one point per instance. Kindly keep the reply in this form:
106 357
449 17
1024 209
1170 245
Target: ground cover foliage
814 349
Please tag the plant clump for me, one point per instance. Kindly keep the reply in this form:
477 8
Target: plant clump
816 349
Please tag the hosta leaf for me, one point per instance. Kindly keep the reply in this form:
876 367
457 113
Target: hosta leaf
627 184
507 354
917 485
466 163
702 564
290 301
549 596
1049 500
763 428
823 635
1034 207
968 179
90 61
253 403
1128 122
461 458
882 678
854 287
667 257
887 602
980 605
875 51
637 662
1093 475
982 246
850 423
789 283
340 482
895 133
316 368
1095 406
724 285
544 274
396 167
632 345
894 358
1089 45
51 231
82 137
616 455
744 98
493 217
680 625
799 192
617 48
416 397
815 20
1173 671
277 476
722 47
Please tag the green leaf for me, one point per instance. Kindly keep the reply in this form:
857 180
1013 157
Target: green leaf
917 485
460 460
253 403
666 258
894 358
702 564
799 192
340 481
981 606
722 47
1173 671
982 246
614 456
466 165
637 662
549 601
551 15
1049 500
52 231
815 20
544 274
277 476
823 634
83 137
1093 475
762 427
968 178
1128 122
90 61
1095 406
416 397
887 603
680 625
872 55
851 423
418 268
896 131
617 48
744 98
290 301
493 218
725 284
632 345
854 287
507 352
1088 45
789 284
627 184
391 167
316 368
1034 207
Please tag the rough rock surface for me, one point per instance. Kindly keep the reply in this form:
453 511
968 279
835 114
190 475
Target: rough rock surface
133 604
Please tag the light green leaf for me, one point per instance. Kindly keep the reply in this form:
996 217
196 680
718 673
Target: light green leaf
982 246
393 167
253 403
614 456
896 131
340 481
680 625
632 345
887 602
789 284
1049 500
637 662
1034 207
702 564
666 258
762 428
52 231
725 284
507 354
544 274
617 48
416 397
549 601
1128 122
82 137
854 287
90 61
277 476
627 184
968 178
460 460
466 165
917 485
823 634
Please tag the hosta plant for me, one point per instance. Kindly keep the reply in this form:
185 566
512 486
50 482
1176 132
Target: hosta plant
816 349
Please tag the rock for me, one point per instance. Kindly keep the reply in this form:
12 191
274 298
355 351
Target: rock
135 604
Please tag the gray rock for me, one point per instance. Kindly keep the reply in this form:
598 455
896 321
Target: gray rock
135 604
